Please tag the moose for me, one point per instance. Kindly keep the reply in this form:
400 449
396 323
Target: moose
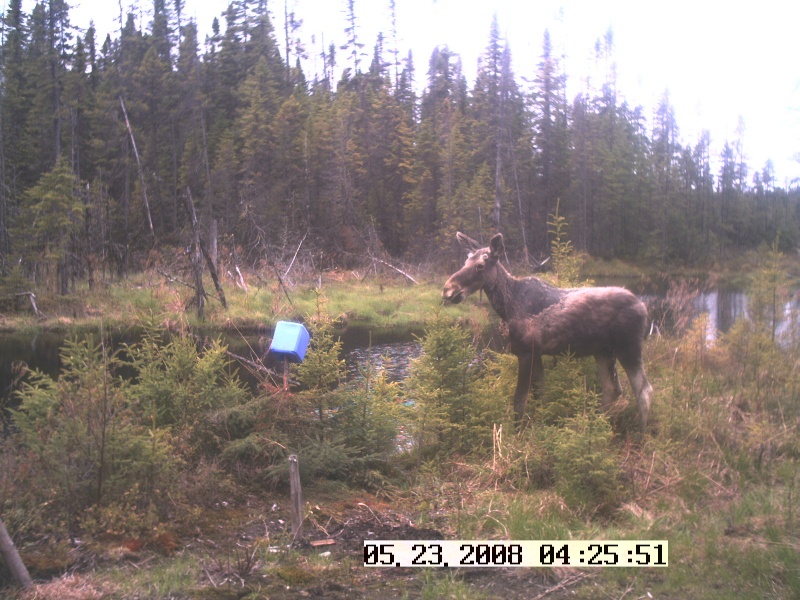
609 323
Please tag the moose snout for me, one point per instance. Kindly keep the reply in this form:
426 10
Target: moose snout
452 293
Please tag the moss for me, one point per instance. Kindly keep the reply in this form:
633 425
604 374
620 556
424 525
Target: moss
293 575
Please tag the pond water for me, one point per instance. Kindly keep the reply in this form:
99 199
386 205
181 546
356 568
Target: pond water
390 351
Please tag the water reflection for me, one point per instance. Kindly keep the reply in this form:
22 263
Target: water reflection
393 359
725 306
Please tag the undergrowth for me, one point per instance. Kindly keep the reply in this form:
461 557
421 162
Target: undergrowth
115 460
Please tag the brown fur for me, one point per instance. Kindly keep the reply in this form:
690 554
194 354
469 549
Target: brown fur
607 323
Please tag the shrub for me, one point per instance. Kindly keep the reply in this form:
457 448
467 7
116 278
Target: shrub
178 387
447 415
322 370
370 417
81 445
585 463
340 431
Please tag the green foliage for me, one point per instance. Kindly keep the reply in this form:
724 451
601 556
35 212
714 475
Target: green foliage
566 263
82 444
12 281
178 385
569 445
322 369
568 391
339 431
363 165
51 216
585 463
451 412
369 419
769 290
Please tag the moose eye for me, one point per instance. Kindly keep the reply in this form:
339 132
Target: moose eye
479 266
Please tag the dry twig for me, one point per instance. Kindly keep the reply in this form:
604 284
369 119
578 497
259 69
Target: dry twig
567 582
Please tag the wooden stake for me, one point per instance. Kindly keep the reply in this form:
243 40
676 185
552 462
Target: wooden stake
285 373
296 496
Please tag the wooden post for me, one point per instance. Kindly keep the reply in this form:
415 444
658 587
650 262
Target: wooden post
296 496
285 373
12 559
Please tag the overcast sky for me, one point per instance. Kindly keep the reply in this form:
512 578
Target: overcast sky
719 60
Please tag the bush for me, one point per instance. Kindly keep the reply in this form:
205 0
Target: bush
586 464
178 387
451 412
339 431
80 443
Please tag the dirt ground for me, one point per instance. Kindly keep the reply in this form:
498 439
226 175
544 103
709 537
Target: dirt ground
242 554
346 578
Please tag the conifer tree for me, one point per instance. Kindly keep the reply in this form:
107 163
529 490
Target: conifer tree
50 221
551 142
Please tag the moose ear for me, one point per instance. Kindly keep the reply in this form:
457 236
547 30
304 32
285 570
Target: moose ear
496 245
467 242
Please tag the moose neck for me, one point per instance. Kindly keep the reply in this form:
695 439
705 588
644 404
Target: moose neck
513 298
500 292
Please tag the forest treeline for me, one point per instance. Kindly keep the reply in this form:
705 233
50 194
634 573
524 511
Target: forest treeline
107 144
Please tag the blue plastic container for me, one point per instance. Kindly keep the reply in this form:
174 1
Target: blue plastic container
290 341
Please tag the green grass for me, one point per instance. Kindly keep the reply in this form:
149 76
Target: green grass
174 577
386 305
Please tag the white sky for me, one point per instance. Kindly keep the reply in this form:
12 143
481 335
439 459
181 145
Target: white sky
719 60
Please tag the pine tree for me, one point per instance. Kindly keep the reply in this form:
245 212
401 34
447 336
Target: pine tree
551 137
15 98
50 222
259 98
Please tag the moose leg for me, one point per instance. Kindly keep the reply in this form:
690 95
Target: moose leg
641 387
609 382
530 370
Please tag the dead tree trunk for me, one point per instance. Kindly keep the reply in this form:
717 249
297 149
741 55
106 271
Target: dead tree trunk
32 297
139 164
202 248
12 559
197 268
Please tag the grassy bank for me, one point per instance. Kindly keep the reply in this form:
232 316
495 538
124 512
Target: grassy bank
384 304
377 301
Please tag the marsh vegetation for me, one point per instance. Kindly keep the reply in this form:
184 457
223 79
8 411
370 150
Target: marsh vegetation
155 473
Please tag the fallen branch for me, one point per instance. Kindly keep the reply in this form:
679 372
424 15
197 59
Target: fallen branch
403 273
172 279
289 268
371 511
32 297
